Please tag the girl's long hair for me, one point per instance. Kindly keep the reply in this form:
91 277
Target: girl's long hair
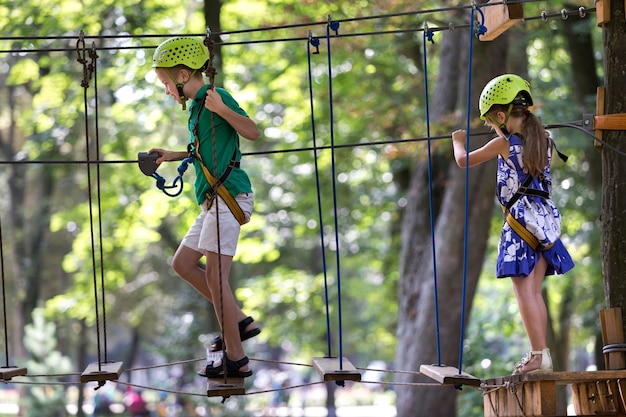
533 135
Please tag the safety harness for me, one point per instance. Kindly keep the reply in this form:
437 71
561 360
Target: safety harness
216 184
513 222
527 236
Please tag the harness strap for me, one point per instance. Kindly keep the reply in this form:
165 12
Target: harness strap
518 228
216 183
523 189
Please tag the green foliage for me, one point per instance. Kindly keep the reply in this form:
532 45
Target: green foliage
45 400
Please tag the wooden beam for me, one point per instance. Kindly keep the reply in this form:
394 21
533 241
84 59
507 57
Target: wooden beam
449 375
603 12
330 369
8 372
500 17
102 372
615 121
613 333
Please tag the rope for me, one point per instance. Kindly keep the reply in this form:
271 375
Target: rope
210 73
4 302
428 36
94 60
315 43
75 383
334 26
465 232
582 12
315 148
88 70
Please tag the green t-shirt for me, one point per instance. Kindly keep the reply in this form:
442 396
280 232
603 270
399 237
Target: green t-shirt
227 144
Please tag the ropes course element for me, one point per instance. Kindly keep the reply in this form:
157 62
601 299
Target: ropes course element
467 188
103 370
331 368
200 394
544 16
428 36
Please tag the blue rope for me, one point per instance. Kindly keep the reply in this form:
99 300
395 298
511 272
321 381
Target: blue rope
467 150
334 25
178 181
428 35
315 43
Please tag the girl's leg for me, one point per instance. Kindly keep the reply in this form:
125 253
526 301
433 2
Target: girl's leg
533 310
226 309
185 264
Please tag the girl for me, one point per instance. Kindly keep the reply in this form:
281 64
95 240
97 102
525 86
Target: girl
530 247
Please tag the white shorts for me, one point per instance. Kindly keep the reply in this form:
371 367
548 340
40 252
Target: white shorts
202 235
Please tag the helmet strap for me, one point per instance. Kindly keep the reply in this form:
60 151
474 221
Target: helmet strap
506 119
179 86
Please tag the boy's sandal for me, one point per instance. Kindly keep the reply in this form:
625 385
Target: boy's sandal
218 343
232 368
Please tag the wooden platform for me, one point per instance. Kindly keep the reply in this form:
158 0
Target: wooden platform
331 369
102 372
8 372
218 387
449 375
500 17
593 393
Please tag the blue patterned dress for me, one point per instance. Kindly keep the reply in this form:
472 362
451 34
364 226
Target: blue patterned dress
516 258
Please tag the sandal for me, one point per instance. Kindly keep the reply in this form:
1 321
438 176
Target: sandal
218 343
211 370
545 366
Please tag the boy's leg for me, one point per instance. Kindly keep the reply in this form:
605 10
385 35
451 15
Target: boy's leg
226 308
185 264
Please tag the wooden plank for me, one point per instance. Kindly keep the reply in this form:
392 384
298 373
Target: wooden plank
220 387
612 333
499 18
615 121
9 372
102 372
565 377
449 375
331 369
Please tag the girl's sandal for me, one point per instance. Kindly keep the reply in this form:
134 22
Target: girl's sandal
545 366
233 368
218 343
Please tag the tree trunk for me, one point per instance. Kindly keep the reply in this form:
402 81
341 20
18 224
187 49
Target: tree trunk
417 343
613 235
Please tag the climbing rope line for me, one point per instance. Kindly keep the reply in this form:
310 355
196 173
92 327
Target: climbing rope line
89 71
334 26
428 36
544 16
465 231
4 301
573 125
312 41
